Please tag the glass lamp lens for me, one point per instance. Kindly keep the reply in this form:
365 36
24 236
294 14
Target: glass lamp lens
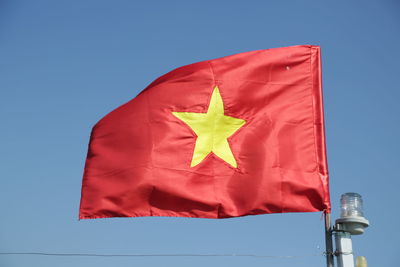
351 205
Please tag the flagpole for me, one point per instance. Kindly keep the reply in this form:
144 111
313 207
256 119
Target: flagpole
328 240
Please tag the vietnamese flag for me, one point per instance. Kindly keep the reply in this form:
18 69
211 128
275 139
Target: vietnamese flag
234 136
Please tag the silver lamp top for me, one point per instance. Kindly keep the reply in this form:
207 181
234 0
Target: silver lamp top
351 216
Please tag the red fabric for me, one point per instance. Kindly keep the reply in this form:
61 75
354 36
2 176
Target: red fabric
139 156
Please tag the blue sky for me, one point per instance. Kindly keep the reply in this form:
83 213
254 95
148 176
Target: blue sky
65 64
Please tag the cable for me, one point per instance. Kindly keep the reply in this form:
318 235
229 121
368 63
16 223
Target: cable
153 255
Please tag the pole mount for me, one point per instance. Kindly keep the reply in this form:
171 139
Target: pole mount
353 225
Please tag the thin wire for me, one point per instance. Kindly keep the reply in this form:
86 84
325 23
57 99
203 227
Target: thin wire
154 255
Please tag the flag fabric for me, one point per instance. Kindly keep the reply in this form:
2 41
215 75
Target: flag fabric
234 136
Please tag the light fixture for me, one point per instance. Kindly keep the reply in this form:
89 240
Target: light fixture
361 262
351 217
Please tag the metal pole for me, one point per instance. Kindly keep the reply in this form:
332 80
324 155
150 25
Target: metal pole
344 249
328 240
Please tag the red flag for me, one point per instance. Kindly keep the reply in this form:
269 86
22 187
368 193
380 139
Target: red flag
234 136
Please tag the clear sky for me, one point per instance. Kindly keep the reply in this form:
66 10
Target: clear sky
65 64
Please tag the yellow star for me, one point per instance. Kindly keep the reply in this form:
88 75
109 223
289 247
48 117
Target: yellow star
212 129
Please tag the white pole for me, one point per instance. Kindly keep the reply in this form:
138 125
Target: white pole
344 249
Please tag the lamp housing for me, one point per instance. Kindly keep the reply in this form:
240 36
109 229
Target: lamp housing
351 216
